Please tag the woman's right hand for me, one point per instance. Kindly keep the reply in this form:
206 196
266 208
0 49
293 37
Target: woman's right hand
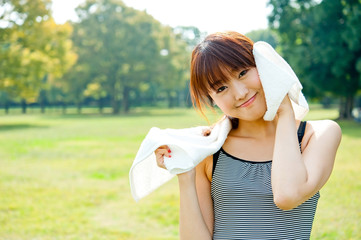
164 150
160 153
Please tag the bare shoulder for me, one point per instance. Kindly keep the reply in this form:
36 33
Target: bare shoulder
328 127
326 131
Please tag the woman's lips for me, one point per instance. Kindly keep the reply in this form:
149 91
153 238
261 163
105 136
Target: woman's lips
249 101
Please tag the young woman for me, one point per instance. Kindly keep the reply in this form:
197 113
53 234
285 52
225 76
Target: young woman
264 182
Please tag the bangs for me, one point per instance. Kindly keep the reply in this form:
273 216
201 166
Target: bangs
215 61
211 73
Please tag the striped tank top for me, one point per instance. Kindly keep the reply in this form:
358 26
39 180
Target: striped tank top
243 202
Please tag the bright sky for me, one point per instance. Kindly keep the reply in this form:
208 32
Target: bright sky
208 15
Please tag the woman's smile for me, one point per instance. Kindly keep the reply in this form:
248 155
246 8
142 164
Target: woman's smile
248 102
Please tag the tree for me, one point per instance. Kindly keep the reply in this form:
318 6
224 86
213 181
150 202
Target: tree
191 36
266 35
323 43
32 47
173 66
130 55
118 45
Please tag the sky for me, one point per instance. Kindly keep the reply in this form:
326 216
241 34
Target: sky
208 15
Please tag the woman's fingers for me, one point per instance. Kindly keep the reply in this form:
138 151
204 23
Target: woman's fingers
163 147
206 132
160 152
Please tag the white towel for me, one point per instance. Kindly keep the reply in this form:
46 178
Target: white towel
278 79
189 147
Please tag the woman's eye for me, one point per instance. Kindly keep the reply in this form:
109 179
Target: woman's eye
221 89
242 73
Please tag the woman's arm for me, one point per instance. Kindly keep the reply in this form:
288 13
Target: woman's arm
196 206
296 177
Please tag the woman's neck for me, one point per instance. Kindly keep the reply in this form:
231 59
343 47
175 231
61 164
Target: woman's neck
255 129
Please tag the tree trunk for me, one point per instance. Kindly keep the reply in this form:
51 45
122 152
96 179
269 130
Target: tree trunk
125 102
101 105
6 107
188 98
79 107
63 105
346 106
115 104
170 100
42 106
23 106
42 100
115 97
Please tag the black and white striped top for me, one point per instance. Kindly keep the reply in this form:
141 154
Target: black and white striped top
243 203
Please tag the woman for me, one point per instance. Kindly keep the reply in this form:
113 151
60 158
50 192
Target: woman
264 182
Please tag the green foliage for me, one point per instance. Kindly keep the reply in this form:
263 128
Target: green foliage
322 42
66 177
191 35
266 35
114 55
32 47
125 55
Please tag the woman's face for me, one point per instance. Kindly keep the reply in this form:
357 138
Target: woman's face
242 96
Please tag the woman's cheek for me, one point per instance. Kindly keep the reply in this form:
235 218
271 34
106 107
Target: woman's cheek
225 108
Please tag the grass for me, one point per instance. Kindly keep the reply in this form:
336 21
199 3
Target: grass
66 177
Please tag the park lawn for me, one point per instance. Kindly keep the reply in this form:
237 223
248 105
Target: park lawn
66 177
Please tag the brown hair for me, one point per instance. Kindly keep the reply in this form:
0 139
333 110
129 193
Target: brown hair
214 60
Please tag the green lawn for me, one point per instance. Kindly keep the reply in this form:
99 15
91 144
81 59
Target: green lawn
66 177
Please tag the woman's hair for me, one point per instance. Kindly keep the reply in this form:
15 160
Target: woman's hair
214 60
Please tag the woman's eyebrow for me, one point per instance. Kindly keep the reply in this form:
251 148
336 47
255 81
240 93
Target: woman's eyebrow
240 69
216 84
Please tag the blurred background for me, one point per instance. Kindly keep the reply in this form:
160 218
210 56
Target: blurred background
82 82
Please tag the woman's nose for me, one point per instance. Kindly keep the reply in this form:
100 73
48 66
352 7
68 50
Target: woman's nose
240 90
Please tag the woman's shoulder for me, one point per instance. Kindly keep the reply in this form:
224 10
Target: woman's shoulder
327 131
322 126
